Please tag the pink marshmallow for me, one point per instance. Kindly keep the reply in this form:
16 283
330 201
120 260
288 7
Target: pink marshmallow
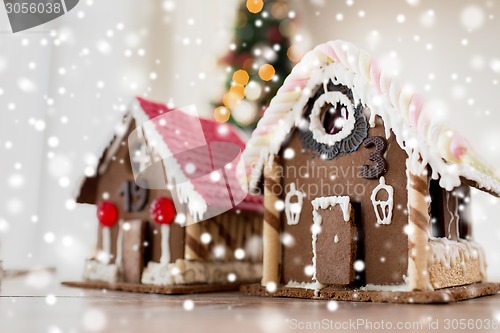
458 146
375 74
291 85
415 109
328 51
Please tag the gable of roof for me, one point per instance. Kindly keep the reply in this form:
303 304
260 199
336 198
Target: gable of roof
87 187
425 140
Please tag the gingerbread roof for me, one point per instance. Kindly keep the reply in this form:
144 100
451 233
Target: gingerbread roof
425 139
186 142
195 152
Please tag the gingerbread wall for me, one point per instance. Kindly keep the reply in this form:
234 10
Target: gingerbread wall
384 247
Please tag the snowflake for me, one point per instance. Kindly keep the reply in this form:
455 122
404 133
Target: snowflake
472 17
428 19
94 320
50 299
26 85
15 180
14 206
188 305
271 287
70 204
239 254
287 239
4 226
231 277
359 265
279 205
168 5
53 141
332 306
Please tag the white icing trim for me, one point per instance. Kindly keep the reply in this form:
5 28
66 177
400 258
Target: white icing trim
186 192
454 216
119 135
293 210
316 125
98 271
450 253
105 256
316 286
324 203
119 246
385 206
185 272
336 239
390 287
343 201
165 241
159 274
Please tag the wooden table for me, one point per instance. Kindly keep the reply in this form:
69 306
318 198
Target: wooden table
38 303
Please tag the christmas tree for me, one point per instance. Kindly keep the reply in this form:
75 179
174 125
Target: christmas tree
259 59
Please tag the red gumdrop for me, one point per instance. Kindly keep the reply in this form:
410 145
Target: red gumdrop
107 213
162 211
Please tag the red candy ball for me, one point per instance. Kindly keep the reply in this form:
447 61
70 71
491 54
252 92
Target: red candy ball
162 211
107 213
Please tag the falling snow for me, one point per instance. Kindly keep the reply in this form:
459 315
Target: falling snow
78 109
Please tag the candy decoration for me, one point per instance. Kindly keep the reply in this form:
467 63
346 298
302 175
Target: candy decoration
162 211
107 215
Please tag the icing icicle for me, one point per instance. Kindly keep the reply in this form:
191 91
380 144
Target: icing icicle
119 246
106 245
165 240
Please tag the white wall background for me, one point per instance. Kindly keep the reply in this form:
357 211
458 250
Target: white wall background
64 85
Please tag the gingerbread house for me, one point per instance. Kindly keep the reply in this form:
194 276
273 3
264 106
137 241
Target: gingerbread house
366 195
160 156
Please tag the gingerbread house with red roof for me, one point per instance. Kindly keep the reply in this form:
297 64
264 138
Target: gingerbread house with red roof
173 215
366 194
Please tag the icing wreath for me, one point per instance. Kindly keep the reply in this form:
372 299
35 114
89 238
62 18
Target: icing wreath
350 135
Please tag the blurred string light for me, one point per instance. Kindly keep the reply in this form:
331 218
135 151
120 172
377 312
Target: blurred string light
259 59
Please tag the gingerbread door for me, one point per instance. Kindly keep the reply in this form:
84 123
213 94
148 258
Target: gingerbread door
134 232
336 241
